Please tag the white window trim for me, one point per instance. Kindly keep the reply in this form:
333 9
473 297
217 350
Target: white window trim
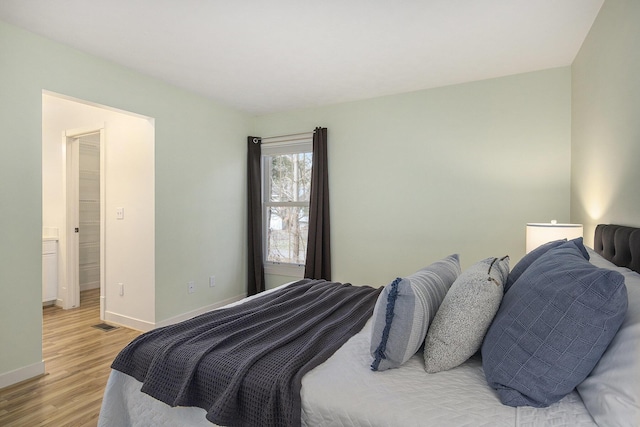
303 142
289 270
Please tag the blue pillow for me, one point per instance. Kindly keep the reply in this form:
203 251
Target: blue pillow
528 259
404 310
553 326
537 253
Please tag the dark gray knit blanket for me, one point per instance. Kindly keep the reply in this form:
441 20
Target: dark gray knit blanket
244 364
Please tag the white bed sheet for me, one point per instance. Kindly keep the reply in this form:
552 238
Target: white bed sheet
343 391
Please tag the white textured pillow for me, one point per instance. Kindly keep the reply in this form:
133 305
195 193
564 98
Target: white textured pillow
404 310
466 313
611 392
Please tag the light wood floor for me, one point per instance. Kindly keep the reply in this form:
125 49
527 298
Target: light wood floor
77 363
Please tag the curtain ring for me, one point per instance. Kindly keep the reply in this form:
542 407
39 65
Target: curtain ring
256 140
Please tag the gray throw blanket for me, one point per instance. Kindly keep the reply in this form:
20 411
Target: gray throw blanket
244 364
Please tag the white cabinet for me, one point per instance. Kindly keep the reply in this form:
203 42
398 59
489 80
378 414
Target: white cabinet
49 270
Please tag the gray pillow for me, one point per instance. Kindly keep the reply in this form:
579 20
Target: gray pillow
554 324
404 310
464 316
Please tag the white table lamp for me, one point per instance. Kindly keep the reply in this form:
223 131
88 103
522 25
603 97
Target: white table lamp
541 233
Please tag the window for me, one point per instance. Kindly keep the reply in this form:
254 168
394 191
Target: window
286 184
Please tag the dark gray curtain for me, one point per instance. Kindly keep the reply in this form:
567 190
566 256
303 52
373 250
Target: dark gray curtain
255 276
318 263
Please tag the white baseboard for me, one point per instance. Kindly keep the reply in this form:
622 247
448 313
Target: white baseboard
21 374
129 322
197 312
144 326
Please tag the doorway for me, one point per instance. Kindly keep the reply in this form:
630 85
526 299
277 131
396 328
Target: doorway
127 206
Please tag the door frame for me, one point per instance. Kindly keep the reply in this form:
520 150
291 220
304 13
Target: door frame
70 289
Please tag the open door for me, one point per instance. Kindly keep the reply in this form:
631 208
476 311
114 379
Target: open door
85 217
70 286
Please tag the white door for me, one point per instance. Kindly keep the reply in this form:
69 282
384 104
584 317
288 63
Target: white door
85 216
71 285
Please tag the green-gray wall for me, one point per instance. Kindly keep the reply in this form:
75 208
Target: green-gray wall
460 169
413 177
199 183
605 175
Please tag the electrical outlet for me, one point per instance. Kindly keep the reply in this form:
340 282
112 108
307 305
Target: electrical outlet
121 289
191 287
212 281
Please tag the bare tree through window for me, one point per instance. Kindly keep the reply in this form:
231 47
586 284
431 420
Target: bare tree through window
287 207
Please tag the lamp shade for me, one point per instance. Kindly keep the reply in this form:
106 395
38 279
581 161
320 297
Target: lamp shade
541 233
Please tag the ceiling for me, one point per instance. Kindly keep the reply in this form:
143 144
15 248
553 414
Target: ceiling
266 56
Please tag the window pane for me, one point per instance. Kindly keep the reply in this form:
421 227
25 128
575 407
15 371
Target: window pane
287 234
290 177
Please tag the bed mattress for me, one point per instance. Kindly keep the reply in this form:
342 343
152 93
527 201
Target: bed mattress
343 391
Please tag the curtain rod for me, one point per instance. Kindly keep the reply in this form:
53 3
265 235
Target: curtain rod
290 136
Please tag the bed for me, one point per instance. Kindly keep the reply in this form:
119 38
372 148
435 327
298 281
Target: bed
344 390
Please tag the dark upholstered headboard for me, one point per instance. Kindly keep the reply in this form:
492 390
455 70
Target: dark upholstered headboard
619 244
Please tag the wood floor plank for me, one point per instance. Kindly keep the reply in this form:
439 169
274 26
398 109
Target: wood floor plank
77 362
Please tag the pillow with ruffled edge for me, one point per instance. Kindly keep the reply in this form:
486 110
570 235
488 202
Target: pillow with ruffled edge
404 310
553 326
528 259
464 316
